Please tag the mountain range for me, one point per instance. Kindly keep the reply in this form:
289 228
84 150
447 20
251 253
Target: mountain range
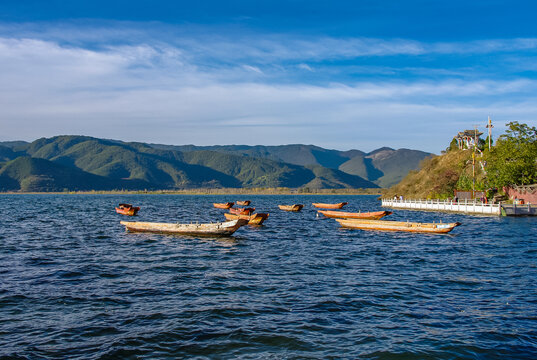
85 163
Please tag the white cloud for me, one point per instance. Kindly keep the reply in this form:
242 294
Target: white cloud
252 68
172 94
305 67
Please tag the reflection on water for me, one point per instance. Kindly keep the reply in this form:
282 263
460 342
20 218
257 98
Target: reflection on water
74 284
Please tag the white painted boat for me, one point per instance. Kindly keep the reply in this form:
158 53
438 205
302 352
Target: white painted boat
213 229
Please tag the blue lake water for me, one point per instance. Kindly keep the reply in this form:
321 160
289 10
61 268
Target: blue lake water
75 285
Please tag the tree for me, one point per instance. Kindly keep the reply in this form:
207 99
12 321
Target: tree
513 160
453 145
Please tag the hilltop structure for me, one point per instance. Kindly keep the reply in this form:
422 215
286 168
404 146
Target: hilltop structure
467 139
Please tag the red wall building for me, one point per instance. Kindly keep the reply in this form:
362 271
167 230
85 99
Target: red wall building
528 193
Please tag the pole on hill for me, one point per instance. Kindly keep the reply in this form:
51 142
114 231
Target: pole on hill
490 126
473 162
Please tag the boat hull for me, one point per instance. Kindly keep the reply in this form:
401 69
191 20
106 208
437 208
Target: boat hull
128 211
254 219
295 207
223 206
329 206
216 229
243 203
374 215
241 211
386 225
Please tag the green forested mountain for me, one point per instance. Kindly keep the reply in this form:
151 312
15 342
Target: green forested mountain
84 163
6 153
15 145
33 174
292 154
384 167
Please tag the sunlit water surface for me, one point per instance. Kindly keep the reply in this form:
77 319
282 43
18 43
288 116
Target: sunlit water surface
75 285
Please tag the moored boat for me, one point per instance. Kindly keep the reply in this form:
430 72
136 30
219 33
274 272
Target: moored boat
223 205
241 211
294 207
388 225
254 219
373 215
243 203
127 209
329 206
213 229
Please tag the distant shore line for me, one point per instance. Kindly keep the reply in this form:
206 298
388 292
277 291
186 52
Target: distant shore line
223 191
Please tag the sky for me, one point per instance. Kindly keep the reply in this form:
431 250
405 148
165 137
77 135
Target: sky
337 74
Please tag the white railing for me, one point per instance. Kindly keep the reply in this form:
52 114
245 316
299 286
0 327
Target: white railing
462 206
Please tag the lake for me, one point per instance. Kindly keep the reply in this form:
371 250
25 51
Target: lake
75 285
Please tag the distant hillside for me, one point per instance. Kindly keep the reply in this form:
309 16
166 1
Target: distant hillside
252 172
7 153
331 178
384 167
83 163
292 154
395 164
15 145
32 174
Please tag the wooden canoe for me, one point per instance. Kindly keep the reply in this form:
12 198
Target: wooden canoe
241 211
387 225
374 215
254 219
294 207
329 206
214 229
127 209
243 203
223 205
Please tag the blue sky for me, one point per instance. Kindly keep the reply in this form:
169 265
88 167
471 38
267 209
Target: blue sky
338 74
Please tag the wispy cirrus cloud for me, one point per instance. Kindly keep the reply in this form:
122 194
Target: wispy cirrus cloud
232 43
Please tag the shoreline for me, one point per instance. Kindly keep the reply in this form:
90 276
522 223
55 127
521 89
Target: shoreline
208 192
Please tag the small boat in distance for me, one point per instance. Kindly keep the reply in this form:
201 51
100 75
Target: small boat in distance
387 225
374 215
254 219
294 207
214 229
223 205
127 209
329 206
241 211
243 203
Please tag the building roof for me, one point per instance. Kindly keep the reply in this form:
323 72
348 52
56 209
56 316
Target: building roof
469 133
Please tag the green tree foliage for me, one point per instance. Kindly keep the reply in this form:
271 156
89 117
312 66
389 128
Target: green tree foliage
453 145
481 144
464 182
513 160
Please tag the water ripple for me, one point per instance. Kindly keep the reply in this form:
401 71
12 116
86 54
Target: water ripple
74 284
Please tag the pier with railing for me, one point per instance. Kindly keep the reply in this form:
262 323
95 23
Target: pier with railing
464 206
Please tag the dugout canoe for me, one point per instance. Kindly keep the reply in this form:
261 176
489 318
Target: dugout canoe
213 229
373 215
294 207
329 206
127 209
241 211
387 225
223 205
254 219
